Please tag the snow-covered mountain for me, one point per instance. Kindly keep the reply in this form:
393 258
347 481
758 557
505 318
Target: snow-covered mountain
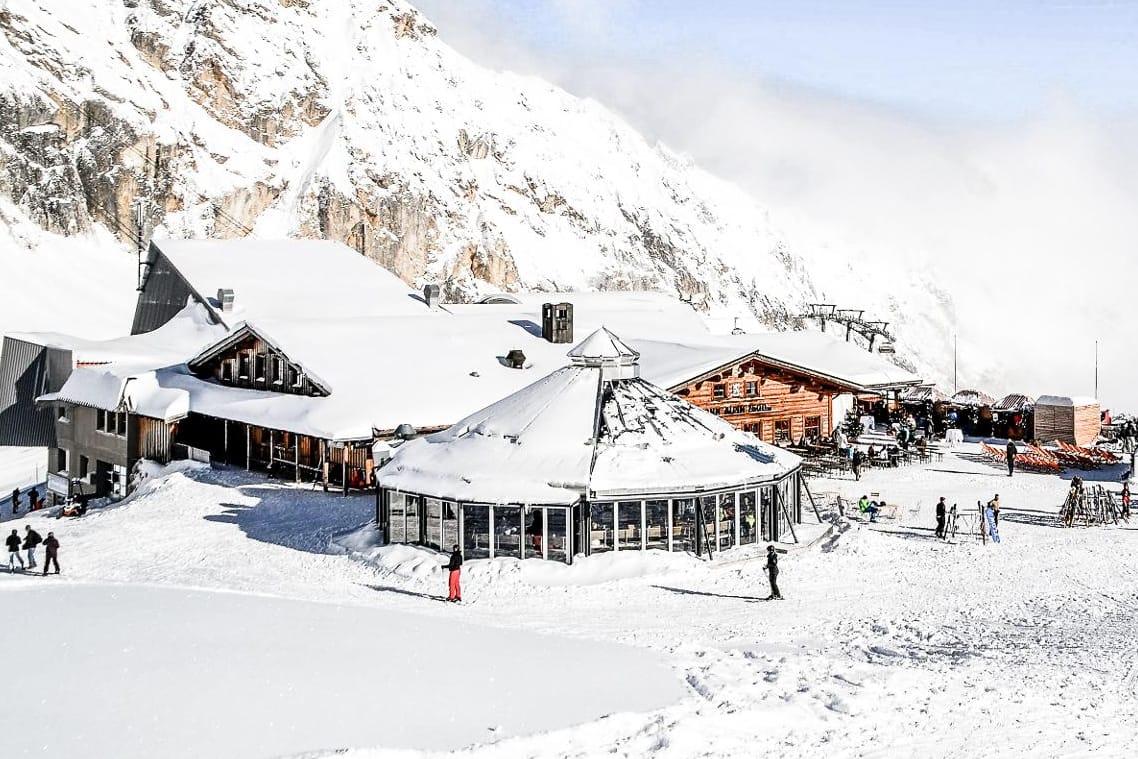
351 119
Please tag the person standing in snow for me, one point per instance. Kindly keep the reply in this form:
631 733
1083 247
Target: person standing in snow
941 513
455 569
31 540
855 463
1126 501
994 505
51 548
772 573
15 500
13 543
1011 456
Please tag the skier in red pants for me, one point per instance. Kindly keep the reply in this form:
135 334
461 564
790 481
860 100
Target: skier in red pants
455 567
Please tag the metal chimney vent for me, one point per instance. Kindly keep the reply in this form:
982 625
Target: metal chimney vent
431 296
516 359
225 299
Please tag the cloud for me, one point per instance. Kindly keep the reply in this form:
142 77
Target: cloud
1028 226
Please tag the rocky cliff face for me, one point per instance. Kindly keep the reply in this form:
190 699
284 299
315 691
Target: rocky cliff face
351 120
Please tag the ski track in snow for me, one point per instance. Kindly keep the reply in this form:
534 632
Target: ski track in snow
891 643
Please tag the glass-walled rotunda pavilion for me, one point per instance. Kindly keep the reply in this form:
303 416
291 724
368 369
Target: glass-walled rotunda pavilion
589 459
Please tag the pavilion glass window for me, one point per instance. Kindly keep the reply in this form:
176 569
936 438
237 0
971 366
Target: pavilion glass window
534 533
628 525
748 518
475 530
707 506
683 524
601 527
413 509
434 511
449 525
656 524
396 521
725 521
557 534
508 531
766 511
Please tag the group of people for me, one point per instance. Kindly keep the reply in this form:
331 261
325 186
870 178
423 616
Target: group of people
34 501
943 512
30 542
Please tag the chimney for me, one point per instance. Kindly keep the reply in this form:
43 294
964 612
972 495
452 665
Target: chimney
431 296
225 299
557 322
516 359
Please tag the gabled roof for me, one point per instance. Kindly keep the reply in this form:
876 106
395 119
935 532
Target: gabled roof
971 398
1014 402
280 279
575 434
1065 400
240 333
812 354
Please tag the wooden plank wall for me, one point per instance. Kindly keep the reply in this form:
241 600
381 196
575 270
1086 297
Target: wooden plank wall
791 399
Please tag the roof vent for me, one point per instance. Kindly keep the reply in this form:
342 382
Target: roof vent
516 359
405 432
431 296
225 299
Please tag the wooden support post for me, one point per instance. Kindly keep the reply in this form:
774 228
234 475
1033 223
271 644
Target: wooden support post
225 440
344 466
785 513
296 454
248 446
324 463
811 497
272 444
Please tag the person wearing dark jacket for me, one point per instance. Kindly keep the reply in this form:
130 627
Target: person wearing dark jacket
31 540
941 510
855 463
13 543
51 547
455 569
772 573
15 500
1011 456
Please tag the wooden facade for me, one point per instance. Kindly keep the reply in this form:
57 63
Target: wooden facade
249 361
779 404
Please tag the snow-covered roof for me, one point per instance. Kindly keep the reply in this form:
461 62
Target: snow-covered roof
191 330
574 434
285 278
809 352
121 373
1064 400
922 394
972 398
1014 402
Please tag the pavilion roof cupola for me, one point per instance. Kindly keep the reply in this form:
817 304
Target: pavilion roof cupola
609 353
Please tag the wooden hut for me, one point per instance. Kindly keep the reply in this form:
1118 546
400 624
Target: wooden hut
1013 417
1070 420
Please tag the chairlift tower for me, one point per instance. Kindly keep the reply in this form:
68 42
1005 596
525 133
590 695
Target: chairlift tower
853 319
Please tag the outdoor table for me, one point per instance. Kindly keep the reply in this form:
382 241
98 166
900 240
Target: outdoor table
954 436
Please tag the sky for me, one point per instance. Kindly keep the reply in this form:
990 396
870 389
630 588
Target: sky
989 145
964 59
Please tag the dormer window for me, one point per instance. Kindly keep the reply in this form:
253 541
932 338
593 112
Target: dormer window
243 366
278 371
259 368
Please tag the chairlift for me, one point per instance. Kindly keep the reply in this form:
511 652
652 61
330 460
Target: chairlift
887 348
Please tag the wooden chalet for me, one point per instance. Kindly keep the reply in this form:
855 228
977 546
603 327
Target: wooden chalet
778 403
